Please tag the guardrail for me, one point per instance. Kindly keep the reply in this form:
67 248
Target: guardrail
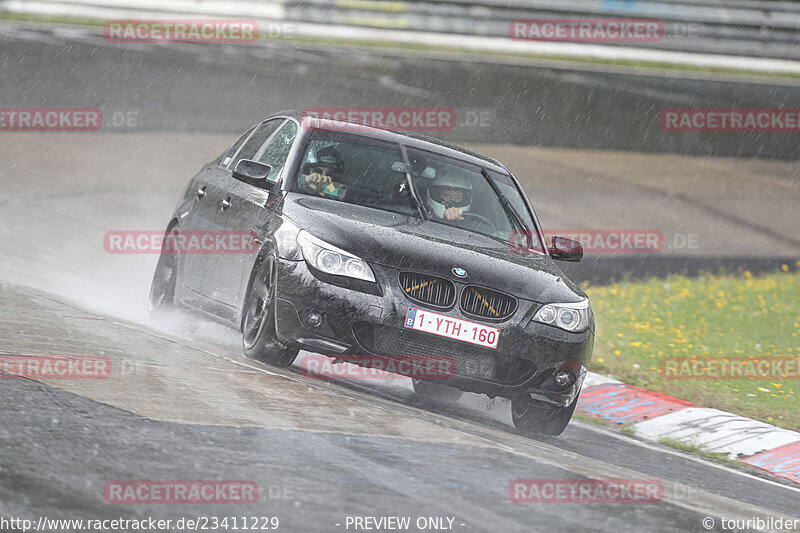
735 27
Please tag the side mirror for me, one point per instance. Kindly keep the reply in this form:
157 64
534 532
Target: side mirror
565 249
253 173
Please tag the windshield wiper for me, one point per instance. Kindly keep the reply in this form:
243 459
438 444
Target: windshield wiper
411 189
505 201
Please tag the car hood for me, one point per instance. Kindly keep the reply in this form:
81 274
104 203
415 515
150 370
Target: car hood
407 243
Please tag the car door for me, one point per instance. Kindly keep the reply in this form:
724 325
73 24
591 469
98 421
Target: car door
200 215
251 210
203 217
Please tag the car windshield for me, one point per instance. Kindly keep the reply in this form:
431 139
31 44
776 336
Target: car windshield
363 171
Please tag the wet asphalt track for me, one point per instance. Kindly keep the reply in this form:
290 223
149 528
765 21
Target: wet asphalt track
189 409
180 409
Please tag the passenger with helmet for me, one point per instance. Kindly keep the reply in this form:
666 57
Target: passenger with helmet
321 169
449 195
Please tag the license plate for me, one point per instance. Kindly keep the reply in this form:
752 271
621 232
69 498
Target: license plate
452 328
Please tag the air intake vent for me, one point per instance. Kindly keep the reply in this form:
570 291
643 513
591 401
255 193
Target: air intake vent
429 290
487 303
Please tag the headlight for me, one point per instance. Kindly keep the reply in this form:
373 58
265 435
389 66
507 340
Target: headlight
571 317
332 260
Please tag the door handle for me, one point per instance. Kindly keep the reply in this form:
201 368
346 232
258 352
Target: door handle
201 192
226 203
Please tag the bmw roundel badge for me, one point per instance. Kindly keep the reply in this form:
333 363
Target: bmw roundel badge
459 272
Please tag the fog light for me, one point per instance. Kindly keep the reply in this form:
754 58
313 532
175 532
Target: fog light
562 378
314 319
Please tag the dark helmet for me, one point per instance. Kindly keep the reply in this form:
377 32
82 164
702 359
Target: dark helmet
328 157
418 163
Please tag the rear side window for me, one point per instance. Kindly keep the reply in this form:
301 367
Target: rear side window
368 173
276 152
256 141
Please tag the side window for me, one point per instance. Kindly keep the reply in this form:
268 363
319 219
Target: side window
256 140
276 152
225 158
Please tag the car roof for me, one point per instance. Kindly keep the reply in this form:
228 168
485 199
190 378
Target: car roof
408 138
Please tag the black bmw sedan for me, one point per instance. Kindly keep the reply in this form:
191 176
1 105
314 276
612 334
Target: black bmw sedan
383 245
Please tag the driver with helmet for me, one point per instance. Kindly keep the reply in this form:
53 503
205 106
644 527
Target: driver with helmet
449 195
320 170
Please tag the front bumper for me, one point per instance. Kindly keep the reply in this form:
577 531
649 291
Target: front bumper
356 322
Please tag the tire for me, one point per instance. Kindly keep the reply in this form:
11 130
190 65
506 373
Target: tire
436 391
534 416
259 339
162 289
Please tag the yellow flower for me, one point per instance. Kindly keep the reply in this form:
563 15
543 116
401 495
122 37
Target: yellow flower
600 360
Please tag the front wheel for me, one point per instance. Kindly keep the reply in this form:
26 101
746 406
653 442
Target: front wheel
259 339
540 417
436 391
162 289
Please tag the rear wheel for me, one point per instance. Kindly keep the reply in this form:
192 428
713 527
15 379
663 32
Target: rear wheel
436 391
259 339
162 289
540 417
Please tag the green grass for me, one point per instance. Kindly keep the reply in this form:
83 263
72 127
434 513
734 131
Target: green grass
389 44
695 449
628 430
53 19
590 419
712 316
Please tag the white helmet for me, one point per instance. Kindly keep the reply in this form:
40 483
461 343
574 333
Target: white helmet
454 180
